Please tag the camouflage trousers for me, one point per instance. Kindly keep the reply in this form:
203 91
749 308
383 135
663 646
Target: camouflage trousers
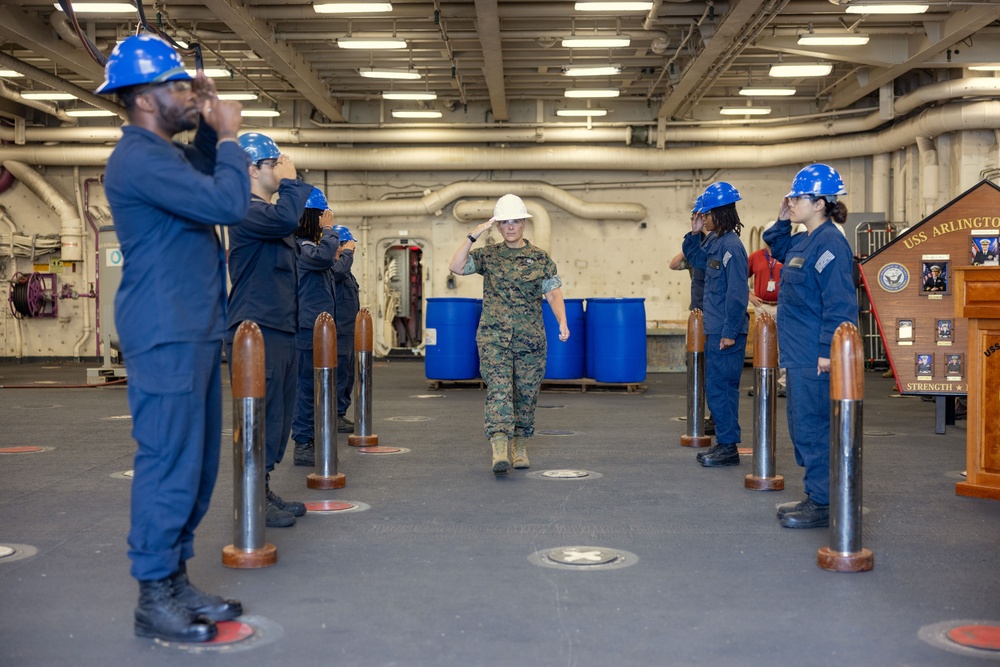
512 382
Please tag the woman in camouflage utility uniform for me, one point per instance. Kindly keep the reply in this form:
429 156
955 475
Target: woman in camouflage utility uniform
511 336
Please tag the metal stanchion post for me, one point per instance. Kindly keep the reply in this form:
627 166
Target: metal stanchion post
325 414
695 436
847 390
363 347
765 368
248 549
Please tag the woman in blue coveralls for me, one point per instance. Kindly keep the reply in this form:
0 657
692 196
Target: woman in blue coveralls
317 243
724 260
817 294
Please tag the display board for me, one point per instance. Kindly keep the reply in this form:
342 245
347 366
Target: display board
910 285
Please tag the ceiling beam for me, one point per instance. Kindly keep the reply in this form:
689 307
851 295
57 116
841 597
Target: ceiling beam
488 24
18 27
731 29
940 37
281 57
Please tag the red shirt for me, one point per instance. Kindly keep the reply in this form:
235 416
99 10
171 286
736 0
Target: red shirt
764 269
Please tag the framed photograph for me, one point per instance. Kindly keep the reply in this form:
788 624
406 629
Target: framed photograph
954 366
925 365
904 331
983 248
935 278
945 333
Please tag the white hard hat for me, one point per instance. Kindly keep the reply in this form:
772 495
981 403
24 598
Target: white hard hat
510 207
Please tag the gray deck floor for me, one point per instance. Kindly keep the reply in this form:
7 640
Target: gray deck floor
438 571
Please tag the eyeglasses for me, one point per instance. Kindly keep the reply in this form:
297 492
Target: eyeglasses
510 223
792 201
272 163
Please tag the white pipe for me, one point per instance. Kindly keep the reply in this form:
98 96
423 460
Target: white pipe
88 328
50 109
880 184
71 232
540 222
929 175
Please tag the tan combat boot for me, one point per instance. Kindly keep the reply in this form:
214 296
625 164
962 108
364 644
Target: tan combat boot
519 446
501 460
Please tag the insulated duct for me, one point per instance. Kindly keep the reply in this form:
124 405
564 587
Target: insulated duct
71 231
930 123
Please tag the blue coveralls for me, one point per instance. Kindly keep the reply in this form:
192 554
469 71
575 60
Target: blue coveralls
348 305
316 290
263 260
817 295
724 260
170 312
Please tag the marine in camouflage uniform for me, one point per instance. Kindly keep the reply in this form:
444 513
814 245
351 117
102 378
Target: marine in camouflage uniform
511 335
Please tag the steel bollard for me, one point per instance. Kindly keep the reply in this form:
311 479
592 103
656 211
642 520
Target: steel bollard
363 346
695 436
765 408
325 414
248 549
847 390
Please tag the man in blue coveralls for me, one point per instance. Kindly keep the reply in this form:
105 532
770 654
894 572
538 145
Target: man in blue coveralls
263 268
170 309
348 305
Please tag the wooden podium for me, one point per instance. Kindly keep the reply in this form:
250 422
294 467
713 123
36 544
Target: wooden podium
977 297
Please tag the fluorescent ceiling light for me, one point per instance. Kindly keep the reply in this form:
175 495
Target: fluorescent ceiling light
592 92
785 70
391 95
745 111
9 74
910 8
596 42
89 113
582 112
833 40
100 7
46 95
371 43
352 7
401 113
613 6
995 67
260 113
212 72
372 73
239 97
761 91
606 70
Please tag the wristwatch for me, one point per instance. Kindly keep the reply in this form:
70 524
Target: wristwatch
471 238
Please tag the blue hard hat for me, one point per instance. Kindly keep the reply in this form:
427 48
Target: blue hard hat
698 203
259 147
718 194
344 233
316 200
142 59
817 180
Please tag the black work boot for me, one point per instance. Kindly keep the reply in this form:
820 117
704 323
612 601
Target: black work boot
811 515
344 425
212 607
787 508
161 616
709 426
726 455
710 451
305 454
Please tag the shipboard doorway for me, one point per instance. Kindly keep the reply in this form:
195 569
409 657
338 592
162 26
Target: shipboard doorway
401 285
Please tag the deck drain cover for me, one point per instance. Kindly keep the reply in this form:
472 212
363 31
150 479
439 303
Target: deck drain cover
408 419
247 633
378 449
583 558
6 551
556 432
566 474
978 638
125 474
24 449
335 506
427 396
119 417
14 552
878 434
985 637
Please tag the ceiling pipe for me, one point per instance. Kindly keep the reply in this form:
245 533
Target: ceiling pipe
50 109
61 84
61 25
930 123
71 232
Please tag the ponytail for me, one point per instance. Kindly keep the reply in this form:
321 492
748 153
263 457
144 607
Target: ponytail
837 211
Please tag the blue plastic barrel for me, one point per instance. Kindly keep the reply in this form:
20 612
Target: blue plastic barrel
616 339
450 332
565 361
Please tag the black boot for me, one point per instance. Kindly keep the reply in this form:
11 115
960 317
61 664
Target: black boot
212 607
710 426
161 616
305 454
788 508
711 451
811 515
344 425
726 455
